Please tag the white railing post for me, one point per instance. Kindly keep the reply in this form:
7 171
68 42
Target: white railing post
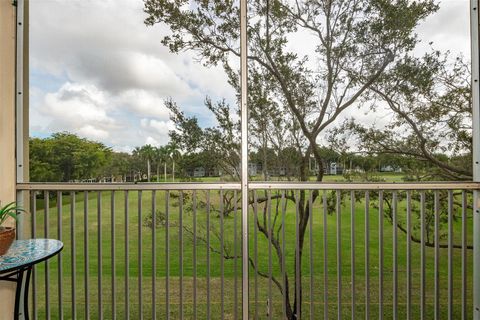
474 34
244 160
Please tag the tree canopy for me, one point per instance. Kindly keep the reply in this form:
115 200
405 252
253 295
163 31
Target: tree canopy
294 96
355 43
65 157
430 100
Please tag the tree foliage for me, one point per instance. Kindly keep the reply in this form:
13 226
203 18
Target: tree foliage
66 157
218 146
356 42
430 100
294 95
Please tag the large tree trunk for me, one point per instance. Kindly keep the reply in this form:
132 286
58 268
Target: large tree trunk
304 215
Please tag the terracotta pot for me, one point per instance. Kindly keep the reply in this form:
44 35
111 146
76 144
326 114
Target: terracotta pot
7 235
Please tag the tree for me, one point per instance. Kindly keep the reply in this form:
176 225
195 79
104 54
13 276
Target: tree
119 165
66 157
356 43
218 145
190 161
430 98
431 129
430 134
90 160
161 156
175 155
147 153
41 166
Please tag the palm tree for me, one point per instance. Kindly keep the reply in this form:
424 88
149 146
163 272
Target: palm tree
147 153
174 154
137 157
161 156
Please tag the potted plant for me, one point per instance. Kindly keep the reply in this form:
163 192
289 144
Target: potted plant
7 234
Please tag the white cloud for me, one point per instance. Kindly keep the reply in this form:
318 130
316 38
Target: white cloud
75 106
448 28
152 141
89 112
107 43
109 72
113 74
161 127
91 132
143 103
157 128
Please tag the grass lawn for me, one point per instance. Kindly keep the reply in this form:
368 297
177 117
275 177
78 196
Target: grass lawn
386 176
145 256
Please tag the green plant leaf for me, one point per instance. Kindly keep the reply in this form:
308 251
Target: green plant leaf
7 207
13 215
10 210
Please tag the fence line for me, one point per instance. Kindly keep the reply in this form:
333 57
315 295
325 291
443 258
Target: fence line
306 244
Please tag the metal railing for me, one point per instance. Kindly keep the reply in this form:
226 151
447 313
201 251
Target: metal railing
331 250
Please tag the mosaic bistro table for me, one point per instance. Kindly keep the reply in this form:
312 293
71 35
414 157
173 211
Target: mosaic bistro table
20 258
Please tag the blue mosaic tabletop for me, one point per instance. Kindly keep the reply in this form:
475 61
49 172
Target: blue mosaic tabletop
28 252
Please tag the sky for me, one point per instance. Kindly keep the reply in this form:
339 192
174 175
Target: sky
96 70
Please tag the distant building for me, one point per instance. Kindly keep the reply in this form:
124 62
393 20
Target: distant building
332 168
329 167
389 168
198 172
254 168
